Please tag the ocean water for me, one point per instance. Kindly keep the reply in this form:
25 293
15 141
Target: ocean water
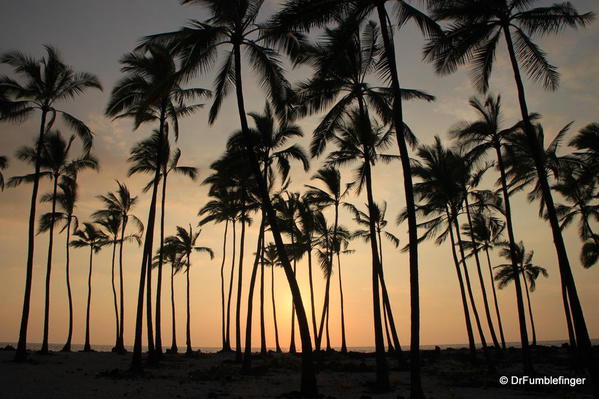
364 349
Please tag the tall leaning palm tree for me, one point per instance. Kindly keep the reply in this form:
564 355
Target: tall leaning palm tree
150 92
66 199
439 190
359 141
56 165
92 237
121 202
270 145
475 29
44 84
478 138
184 243
529 271
232 24
306 14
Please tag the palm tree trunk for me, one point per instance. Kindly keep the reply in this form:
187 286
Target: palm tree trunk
499 323
571 337
462 291
382 371
526 359
222 287
390 347
274 308
87 347
532 322
49 268
292 348
343 340
263 348
136 365
327 328
231 278
311 281
325 310
416 391
174 348
388 312
247 358
149 322
121 342
582 334
480 278
67 345
308 378
238 356
160 262
114 297
21 352
189 350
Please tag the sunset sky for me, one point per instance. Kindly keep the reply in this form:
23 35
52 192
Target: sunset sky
92 36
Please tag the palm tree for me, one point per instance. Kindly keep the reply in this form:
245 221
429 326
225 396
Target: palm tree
146 164
111 224
306 14
475 29
55 164
151 91
357 140
288 213
3 165
587 144
341 245
520 171
222 208
581 192
332 194
479 137
343 67
271 258
121 203
184 243
529 271
233 24
45 82
440 171
232 176
170 255
363 220
66 198
484 233
92 237
270 145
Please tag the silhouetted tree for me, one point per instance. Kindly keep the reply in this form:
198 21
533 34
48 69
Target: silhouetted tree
45 83
92 237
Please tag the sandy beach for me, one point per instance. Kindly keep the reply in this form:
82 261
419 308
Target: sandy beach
446 374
